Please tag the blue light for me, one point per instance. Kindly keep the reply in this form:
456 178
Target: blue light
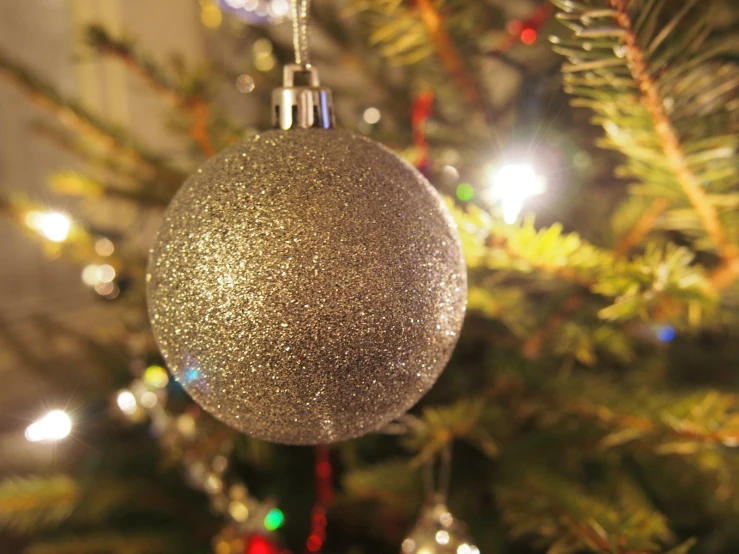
192 375
665 333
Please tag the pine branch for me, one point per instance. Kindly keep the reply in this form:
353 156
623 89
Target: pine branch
660 284
451 59
77 118
32 503
191 103
640 76
110 543
642 227
669 140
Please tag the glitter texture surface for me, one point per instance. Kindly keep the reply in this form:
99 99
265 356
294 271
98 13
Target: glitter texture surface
306 286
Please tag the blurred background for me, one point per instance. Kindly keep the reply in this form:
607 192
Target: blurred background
591 405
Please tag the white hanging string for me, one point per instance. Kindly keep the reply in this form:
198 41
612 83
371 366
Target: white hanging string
299 10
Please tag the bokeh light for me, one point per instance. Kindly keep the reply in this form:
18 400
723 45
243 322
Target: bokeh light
55 425
372 115
511 185
156 377
274 519
465 192
104 247
55 226
126 401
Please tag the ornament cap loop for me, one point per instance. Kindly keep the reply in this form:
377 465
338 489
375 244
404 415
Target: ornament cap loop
302 106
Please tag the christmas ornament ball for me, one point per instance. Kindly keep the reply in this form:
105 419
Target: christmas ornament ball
306 286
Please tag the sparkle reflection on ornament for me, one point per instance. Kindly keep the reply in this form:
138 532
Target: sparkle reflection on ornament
511 185
55 226
55 425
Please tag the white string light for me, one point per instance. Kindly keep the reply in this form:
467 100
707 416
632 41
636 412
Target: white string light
511 185
55 226
54 426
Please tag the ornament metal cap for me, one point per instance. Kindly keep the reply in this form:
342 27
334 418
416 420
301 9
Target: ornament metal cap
302 107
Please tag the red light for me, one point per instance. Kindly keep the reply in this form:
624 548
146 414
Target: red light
257 544
319 520
323 469
314 543
528 36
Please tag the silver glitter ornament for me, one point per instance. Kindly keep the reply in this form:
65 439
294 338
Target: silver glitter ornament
307 285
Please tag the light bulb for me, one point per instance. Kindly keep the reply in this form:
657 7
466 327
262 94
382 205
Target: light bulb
55 226
511 185
126 401
54 426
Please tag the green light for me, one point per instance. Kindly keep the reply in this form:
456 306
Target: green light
274 519
465 192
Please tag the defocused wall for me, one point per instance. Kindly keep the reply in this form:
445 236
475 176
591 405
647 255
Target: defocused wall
45 35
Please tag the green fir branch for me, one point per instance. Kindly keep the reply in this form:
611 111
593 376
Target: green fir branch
660 85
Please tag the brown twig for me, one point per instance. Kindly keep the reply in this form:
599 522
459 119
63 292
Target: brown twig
194 106
641 228
602 544
532 347
582 408
451 59
725 274
668 138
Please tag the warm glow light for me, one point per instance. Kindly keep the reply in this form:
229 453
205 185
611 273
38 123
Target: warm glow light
90 275
238 511
126 401
279 8
211 16
464 548
372 115
148 399
511 185
55 226
442 537
105 273
408 546
54 426
104 247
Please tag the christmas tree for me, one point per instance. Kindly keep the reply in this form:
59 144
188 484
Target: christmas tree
587 152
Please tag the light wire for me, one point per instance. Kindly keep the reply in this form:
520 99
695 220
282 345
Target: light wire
300 16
